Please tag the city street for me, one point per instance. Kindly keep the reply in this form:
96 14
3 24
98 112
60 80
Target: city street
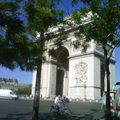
22 109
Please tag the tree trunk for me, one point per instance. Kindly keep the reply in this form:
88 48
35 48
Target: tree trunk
107 71
41 43
108 89
37 92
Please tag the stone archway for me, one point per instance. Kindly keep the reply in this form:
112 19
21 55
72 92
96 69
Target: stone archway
62 70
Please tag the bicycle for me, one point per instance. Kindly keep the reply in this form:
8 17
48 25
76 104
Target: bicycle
62 109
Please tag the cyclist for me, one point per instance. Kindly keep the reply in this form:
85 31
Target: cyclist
57 104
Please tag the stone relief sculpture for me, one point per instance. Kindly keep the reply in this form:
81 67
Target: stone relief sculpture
81 72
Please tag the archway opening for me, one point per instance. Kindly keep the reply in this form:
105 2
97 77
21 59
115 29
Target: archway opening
62 69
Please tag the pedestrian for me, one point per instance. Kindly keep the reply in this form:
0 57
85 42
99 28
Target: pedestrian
103 106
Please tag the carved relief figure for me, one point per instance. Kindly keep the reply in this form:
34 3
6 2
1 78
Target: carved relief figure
81 72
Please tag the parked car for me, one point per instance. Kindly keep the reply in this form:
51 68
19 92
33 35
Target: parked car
7 94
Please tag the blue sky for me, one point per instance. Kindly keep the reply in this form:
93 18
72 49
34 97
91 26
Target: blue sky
23 77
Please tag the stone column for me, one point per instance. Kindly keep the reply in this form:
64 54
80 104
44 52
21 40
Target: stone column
33 83
97 78
65 83
52 78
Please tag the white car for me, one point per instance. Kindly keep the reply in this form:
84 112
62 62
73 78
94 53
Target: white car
7 94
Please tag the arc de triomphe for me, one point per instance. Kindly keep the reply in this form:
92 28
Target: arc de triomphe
73 72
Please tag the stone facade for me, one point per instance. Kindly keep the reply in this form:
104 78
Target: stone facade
73 72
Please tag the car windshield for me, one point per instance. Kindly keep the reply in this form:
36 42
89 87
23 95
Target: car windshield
11 93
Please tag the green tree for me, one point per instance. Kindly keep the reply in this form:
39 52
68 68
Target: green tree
24 90
14 44
103 27
41 15
17 48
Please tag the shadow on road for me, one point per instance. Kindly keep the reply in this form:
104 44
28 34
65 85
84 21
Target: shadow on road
20 116
53 116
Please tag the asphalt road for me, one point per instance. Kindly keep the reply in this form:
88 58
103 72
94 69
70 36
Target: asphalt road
22 109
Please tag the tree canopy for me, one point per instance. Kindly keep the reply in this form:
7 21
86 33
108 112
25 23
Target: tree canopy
104 26
14 44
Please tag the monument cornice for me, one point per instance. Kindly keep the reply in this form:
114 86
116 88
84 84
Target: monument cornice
97 54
